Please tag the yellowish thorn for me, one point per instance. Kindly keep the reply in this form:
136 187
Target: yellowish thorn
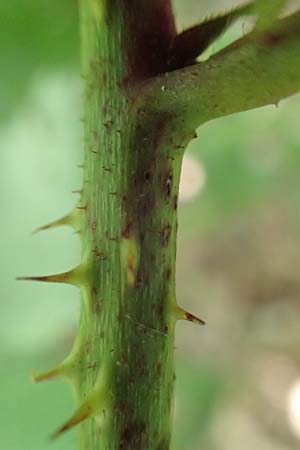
181 314
96 405
83 412
46 376
74 277
71 219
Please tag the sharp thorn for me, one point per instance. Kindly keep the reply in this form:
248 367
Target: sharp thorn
83 412
192 318
97 404
181 314
45 376
70 219
73 277
66 220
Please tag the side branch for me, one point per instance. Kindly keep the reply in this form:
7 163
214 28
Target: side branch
260 69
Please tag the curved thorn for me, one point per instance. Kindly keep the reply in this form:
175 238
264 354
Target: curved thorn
73 277
82 413
96 405
65 220
70 219
181 314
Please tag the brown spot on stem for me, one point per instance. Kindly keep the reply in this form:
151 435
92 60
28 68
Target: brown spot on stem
272 38
99 254
147 175
126 232
92 366
167 186
166 233
130 269
132 436
140 279
168 273
92 224
175 202
96 307
108 123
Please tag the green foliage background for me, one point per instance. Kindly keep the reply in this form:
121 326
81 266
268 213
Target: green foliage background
231 238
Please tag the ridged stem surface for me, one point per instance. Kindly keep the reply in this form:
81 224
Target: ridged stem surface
124 348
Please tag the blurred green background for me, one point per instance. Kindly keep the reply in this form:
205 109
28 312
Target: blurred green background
238 378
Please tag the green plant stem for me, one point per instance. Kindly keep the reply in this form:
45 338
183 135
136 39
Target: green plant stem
123 356
138 119
260 69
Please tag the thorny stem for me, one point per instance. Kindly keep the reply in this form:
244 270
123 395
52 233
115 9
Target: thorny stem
139 116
